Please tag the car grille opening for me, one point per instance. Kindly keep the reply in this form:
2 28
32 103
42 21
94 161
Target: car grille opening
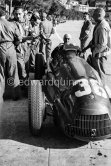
91 126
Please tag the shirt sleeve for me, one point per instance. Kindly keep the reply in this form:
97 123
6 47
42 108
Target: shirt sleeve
101 40
42 30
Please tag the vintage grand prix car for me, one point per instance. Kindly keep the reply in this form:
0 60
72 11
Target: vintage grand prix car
74 92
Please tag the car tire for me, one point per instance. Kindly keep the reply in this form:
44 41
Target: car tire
39 66
36 107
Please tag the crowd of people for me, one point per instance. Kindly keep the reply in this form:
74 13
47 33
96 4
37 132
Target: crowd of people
21 38
100 45
27 34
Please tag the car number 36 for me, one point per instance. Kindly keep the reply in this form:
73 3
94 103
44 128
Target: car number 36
84 88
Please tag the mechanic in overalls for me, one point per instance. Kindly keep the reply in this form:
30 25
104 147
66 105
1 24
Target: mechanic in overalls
23 51
34 30
8 59
46 30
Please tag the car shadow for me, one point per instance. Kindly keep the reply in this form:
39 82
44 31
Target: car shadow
14 125
17 129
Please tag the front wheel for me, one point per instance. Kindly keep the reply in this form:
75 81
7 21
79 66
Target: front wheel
36 106
39 66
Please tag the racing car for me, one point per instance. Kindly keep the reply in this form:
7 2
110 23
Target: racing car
73 91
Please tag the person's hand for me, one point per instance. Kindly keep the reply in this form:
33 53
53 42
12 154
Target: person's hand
78 52
26 27
82 53
48 64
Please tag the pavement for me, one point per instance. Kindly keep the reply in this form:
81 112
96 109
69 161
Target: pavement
19 148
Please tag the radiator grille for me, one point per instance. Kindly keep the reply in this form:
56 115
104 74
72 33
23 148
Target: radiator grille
89 126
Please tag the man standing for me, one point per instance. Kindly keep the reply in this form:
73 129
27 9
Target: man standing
22 49
34 31
85 31
8 59
101 53
46 30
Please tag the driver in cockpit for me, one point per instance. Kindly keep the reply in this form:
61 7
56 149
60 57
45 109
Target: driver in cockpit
60 47
58 54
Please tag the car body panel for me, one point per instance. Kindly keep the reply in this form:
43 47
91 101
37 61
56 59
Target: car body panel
82 105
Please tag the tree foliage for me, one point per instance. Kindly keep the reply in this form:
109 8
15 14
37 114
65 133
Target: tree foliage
52 7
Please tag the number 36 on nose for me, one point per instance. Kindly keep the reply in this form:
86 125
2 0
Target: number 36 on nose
84 88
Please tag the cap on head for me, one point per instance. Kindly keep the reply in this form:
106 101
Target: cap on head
67 36
99 12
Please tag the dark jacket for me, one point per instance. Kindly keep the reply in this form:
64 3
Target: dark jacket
86 29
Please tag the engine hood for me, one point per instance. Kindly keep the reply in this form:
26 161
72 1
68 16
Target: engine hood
88 121
80 68
83 107
92 105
